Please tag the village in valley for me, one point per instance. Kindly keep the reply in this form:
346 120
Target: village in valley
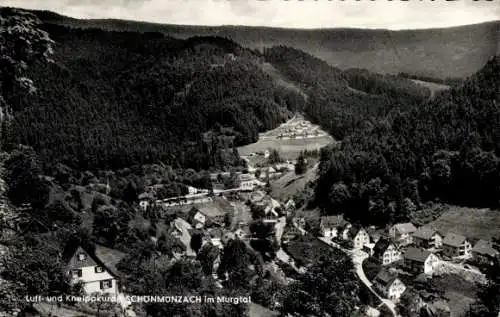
397 264
194 173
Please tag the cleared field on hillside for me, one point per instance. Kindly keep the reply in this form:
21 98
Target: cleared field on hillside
433 87
288 149
473 223
290 184
280 80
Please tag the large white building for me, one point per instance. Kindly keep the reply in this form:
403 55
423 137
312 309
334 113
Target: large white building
87 268
249 182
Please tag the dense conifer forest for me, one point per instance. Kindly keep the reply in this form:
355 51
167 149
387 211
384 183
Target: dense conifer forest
400 148
115 99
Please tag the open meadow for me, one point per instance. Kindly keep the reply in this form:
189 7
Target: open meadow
290 138
470 222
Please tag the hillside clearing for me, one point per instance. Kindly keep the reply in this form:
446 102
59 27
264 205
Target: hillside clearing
289 139
280 80
290 184
433 87
473 223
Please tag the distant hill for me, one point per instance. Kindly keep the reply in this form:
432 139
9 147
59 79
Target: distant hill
448 52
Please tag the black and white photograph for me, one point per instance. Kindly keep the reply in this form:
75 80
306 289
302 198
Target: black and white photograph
250 158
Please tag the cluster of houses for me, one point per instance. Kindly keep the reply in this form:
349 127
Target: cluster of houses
210 219
302 128
419 250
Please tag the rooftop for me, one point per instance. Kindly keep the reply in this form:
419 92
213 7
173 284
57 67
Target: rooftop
425 232
407 227
381 245
332 221
145 196
100 256
385 277
454 240
246 177
218 207
182 224
416 254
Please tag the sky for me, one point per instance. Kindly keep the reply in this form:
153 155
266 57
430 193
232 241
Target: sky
395 15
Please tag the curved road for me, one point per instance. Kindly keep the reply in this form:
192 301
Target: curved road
358 258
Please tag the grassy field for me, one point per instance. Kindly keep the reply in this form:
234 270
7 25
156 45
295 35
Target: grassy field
473 223
290 184
288 149
433 87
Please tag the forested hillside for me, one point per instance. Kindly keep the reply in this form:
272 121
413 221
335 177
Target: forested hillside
340 101
445 150
115 99
399 149
440 53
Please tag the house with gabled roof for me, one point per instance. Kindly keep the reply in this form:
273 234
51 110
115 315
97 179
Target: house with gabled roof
358 236
456 245
389 285
402 233
427 237
386 251
183 231
93 269
417 260
330 225
484 253
145 199
212 213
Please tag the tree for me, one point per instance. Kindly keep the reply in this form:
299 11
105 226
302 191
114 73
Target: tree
207 257
22 43
488 303
23 178
328 286
105 225
274 157
35 267
301 165
235 262
196 241
130 194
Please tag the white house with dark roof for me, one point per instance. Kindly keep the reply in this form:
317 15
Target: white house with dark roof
402 233
249 182
417 260
389 285
330 225
96 276
456 245
358 236
145 199
386 252
427 238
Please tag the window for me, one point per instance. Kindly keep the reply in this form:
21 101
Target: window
82 256
106 284
77 273
99 269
